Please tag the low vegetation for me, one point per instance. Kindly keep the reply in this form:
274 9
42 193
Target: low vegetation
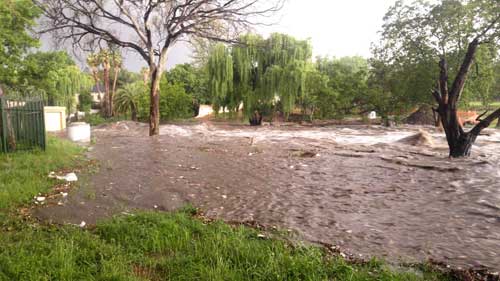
25 174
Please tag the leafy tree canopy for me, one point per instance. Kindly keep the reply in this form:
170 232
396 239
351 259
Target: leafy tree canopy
17 17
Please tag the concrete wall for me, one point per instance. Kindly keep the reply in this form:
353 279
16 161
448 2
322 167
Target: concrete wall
55 118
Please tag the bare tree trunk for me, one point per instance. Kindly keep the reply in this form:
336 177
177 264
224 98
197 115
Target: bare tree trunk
498 123
256 119
113 92
106 111
133 110
154 109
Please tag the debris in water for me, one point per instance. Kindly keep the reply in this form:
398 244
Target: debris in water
224 196
422 138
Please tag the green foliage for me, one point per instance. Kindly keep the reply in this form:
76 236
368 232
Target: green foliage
55 76
127 99
347 83
17 17
318 100
220 77
194 79
24 174
158 246
174 102
416 35
85 102
259 72
127 77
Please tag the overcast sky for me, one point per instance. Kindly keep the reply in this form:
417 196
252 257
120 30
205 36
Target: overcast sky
336 28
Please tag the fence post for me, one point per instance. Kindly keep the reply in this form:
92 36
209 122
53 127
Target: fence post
3 131
44 136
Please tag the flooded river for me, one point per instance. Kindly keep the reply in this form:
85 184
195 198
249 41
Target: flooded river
363 188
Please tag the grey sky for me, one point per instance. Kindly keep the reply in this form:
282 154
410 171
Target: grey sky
336 28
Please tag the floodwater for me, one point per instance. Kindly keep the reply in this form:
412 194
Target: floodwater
358 187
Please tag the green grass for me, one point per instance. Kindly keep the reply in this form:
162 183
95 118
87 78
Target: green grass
172 246
25 174
151 245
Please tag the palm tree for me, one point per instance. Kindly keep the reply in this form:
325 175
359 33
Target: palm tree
128 98
145 74
116 63
105 60
93 62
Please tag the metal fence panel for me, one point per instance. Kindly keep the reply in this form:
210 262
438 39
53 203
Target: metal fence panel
22 124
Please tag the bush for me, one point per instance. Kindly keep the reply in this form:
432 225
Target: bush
85 102
174 103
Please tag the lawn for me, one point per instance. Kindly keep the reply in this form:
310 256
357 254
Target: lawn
153 245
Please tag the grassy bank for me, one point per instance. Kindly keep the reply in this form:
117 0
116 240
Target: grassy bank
152 246
25 174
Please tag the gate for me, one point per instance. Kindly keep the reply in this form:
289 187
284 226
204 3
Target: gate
22 124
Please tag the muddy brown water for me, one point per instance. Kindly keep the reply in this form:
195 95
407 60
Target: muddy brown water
356 187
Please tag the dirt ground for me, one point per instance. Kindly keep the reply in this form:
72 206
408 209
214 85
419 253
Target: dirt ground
366 189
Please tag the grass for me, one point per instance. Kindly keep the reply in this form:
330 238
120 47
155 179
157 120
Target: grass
25 174
152 245
172 246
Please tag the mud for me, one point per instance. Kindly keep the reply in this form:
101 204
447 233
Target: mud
358 187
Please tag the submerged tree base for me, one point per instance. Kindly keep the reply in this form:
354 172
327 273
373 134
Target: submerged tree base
256 119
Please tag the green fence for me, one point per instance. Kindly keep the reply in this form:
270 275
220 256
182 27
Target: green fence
22 124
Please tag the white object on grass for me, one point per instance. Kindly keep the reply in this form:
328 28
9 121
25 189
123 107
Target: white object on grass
71 177
79 132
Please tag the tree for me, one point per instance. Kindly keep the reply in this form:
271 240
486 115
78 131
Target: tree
347 76
318 99
127 99
93 63
259 73
104 57
451 30
17 18
151 27
41 71
116 65
193 78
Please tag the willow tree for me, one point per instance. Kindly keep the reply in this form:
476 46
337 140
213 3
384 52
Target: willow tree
68 82
263 71
151 27
220 78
